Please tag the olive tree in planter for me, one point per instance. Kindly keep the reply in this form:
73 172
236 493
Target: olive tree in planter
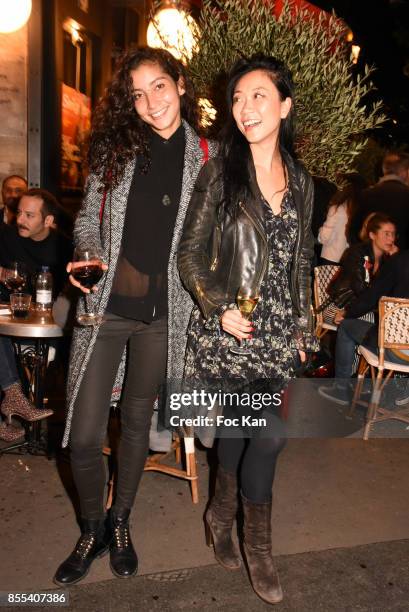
333 118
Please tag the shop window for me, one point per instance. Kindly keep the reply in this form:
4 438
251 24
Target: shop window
77 60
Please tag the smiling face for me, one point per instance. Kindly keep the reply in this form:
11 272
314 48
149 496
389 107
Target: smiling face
384 238
257 107
157 98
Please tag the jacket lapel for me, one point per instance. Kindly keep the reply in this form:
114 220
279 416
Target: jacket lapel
254 204
192 163
295 188
120 193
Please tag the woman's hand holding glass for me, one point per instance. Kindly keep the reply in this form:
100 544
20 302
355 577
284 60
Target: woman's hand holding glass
86 271
233 322
239 324
75 265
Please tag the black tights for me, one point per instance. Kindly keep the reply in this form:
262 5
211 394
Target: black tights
254 458
146 364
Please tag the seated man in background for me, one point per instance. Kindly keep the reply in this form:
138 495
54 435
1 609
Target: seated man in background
391 281
34 243
12 188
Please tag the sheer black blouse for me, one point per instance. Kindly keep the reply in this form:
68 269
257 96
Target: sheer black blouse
139 289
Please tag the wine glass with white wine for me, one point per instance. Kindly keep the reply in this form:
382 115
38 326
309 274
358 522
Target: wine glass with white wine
247 299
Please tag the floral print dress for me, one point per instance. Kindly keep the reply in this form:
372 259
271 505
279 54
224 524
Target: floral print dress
273 347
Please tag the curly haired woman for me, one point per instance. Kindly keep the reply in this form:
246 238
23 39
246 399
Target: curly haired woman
145 154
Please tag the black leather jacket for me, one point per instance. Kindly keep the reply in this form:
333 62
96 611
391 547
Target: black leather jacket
355 274
217 254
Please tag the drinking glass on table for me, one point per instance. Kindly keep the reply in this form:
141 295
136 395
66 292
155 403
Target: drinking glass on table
15 277
20 305
247 298
88 269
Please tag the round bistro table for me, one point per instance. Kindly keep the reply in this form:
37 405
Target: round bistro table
38 329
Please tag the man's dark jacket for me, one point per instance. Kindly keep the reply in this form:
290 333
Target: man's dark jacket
54 251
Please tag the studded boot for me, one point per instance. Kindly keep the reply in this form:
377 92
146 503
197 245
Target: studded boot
123 559
92 544
257 547
219 520
16 403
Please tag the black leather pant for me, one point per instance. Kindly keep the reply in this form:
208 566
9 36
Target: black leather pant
146 367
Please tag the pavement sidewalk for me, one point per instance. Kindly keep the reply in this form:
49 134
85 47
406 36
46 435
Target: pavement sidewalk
368 578
340 533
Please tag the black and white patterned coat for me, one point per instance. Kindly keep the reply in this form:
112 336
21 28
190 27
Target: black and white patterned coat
108 235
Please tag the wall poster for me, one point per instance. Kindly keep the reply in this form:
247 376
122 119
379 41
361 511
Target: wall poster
76 123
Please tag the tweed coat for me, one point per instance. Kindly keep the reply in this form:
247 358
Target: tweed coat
108 236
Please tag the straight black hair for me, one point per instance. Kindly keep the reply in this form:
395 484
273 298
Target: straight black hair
235 150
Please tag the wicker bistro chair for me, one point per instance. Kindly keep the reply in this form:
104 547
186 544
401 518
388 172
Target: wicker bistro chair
186 470
393 334
325 310
323 307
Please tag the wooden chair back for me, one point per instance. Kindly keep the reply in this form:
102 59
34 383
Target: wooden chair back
323 275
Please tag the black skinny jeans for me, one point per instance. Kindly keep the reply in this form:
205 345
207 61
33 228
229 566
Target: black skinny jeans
146 367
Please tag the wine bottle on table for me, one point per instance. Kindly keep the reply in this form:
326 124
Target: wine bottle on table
44 290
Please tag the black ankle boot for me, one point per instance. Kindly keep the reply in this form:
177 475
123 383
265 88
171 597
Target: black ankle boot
93 543
123 559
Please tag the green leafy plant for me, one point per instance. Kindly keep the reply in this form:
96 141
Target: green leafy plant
333 118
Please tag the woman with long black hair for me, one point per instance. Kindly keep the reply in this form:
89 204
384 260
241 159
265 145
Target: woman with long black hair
145 154
248 225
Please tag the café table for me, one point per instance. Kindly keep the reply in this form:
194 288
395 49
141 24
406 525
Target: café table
31 339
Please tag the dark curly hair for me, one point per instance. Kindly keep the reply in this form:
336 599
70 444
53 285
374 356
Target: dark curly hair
118 133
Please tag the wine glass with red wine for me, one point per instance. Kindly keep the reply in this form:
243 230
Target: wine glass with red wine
87 270
16 277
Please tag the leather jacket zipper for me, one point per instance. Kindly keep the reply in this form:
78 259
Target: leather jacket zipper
200 292
261 276
216 247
